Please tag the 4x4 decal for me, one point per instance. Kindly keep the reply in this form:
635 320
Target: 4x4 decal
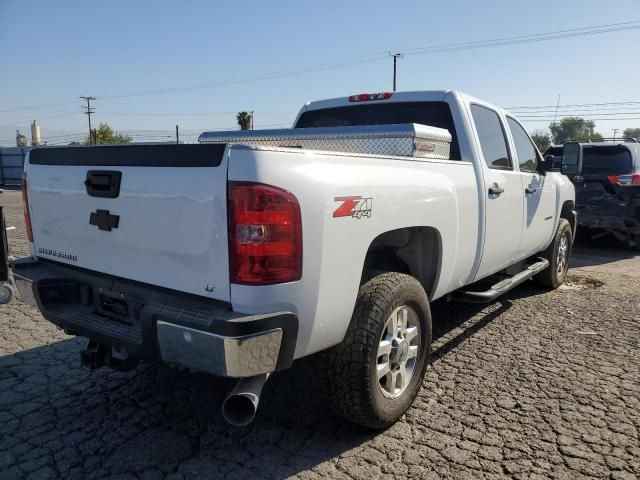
355 207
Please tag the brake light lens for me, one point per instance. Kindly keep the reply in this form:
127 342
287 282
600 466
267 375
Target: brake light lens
265 234
367 97
27 215
631 179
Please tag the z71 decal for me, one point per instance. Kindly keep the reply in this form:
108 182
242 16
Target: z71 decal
355 207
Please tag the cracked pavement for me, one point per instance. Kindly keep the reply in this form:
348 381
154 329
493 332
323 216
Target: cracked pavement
535 385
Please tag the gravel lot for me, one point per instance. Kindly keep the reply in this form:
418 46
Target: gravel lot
536 385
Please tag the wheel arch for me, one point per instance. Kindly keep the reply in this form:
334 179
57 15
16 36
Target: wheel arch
416 251
568 213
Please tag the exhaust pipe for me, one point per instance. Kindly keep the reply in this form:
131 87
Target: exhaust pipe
241 405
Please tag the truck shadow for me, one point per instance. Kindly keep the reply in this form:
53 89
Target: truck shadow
157 420
453 323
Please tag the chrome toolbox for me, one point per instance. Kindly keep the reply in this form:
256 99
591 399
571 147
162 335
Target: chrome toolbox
406 139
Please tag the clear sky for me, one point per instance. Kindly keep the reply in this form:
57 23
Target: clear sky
51 52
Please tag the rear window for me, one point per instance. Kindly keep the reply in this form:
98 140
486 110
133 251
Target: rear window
435 114
606 160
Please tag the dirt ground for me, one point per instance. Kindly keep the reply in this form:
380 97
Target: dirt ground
535 385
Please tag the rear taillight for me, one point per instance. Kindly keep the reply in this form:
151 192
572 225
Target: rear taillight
27 216
367 97
265 234
628 180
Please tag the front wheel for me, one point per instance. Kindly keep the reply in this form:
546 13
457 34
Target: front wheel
374 375
558 254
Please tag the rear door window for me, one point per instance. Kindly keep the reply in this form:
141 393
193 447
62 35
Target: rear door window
492 139
527 154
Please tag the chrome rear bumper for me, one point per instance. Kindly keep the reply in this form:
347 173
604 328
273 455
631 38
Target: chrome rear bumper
243 356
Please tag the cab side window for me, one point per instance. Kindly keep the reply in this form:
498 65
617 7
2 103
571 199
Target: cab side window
492 137
526 151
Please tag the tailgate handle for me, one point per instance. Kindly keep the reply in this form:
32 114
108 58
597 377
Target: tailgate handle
103 183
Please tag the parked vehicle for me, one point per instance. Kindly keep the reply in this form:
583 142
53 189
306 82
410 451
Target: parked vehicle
607 181
236 258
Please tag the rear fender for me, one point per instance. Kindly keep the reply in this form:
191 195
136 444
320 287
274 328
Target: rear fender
392 193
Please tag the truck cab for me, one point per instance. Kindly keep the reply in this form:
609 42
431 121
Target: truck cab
516 189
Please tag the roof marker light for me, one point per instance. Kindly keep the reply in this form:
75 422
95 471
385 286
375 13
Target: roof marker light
367 97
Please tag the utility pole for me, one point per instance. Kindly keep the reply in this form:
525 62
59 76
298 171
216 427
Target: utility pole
395 56
177 135
615 130
88 111
251 119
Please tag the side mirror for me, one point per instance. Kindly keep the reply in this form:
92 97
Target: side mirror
546 164
571 159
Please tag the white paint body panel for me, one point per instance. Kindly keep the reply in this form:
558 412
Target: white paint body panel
172 230
405 192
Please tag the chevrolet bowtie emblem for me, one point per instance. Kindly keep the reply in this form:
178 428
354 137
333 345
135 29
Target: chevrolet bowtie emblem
104 220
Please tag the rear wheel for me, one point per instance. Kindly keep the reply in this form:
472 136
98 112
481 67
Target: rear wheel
374 375
6 293
558 254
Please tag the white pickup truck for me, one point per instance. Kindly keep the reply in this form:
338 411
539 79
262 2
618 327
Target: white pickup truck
237 258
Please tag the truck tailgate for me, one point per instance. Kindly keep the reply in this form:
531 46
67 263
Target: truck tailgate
166 225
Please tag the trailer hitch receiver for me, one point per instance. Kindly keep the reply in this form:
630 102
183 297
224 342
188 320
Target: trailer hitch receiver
98 355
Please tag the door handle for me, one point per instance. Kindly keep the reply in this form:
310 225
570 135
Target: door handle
530 189
495 189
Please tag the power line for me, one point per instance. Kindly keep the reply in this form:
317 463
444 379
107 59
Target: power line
63 113
572 105
593 119
574 111
611 114
373 57
154 114
514 40
36 107
536 37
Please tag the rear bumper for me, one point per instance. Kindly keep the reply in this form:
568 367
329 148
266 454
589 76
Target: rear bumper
622 222
152 323
612 212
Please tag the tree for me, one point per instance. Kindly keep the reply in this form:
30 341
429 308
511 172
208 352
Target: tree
541 139
631 133
104 134
574 128
244 120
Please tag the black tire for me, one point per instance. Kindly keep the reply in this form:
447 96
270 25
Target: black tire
352 383
551 277
6 293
